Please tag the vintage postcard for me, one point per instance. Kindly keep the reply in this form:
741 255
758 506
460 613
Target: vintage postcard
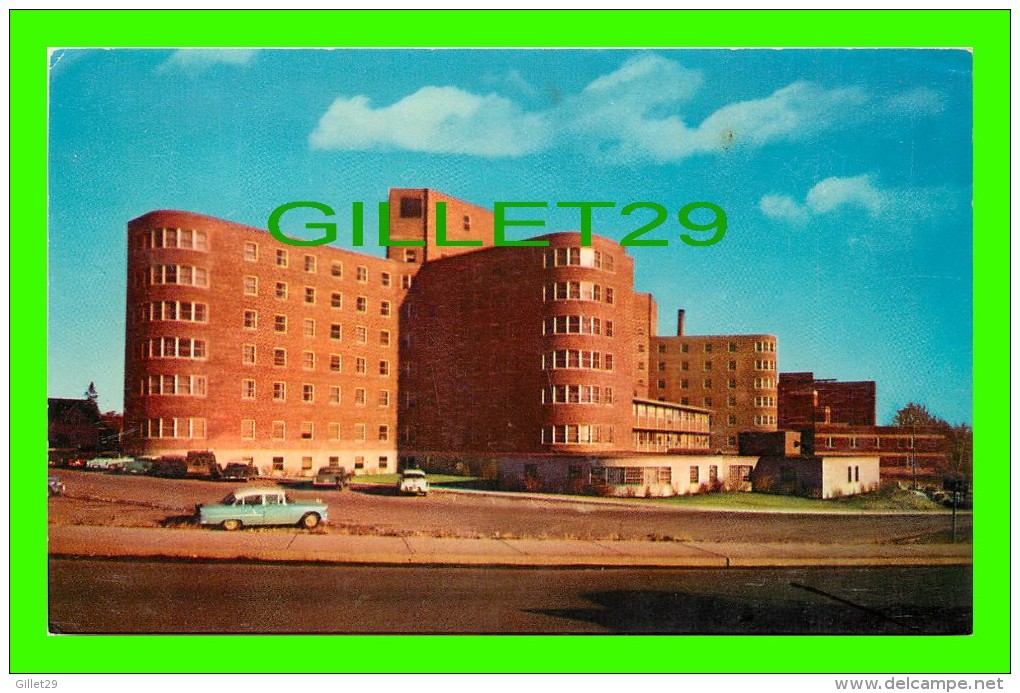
595 341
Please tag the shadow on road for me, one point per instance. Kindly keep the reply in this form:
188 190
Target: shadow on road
657 612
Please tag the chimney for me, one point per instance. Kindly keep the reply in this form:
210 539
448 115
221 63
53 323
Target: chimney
680 322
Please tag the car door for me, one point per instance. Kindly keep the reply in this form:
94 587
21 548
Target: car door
276 511
252 510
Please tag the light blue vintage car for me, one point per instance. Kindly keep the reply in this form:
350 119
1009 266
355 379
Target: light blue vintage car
261 506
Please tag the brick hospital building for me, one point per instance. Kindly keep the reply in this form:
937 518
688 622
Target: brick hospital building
297 357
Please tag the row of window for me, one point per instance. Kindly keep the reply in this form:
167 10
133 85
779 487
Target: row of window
306 431
577 358
173 348
250 321
664 441
764 419
579 434
668 414
577 324
173 427
182 311
335 393
577 394
183 275
578 291
309 360
732 347
579 257
764 365
173 384
183 239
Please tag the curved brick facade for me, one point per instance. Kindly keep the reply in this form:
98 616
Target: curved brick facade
258 350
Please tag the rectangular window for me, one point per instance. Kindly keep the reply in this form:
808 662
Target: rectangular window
384 368
362 306
410 207
277 464
310 264
248 354
279 433
384 309
279 357
694 474
308 327
384 338
307 393
708 365
410 255
247 389
335 363
360 432
281 258
362 274
280 323
307 431
248 429
334 433
359 396
336 331
279 391
251 320
310 294
251 286
281 290
251 251
361 334
308 360
334 394
384 433
385 278
361 366
384 398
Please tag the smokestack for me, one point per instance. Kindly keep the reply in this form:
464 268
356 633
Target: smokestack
680 322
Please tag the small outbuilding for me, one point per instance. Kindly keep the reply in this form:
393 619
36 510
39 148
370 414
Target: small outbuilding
815 476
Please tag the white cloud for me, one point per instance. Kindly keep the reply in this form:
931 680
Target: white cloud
830 195
919 101
194 60
783 207
634 113
433 119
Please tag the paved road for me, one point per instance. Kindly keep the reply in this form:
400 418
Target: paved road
146 501
89 596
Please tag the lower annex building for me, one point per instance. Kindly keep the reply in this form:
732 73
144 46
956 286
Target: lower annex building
293 358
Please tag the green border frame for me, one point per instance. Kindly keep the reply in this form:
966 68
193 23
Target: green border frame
32 650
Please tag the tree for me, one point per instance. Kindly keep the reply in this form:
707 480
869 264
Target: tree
917 416
91 394
960 451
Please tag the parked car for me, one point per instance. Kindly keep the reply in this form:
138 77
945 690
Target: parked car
332 477
238 471
202 464
141 465
255 506
413 481
56 486
108 463
170 467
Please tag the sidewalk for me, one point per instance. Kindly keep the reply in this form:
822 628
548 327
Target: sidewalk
300 546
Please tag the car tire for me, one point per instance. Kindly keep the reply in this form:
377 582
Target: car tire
231 525
310 521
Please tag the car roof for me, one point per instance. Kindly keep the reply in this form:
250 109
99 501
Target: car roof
255 490
413 472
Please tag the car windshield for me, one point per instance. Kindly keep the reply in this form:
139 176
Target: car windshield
229 500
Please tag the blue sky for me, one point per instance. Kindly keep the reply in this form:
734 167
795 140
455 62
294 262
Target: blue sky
845 177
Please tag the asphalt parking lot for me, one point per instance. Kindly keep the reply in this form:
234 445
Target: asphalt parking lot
97 498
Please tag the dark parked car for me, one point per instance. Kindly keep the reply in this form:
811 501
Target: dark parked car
335 477
237 471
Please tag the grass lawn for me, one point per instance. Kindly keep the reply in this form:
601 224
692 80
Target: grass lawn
903 501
